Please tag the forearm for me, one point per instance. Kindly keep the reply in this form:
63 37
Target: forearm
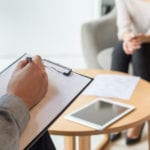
147 35
13 118
147 38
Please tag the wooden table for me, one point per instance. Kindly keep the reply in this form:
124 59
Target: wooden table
140 99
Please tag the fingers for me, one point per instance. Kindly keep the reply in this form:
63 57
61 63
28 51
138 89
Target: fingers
131 36
38 60
44 85
30 77
126 50
131 46
21 65
135 41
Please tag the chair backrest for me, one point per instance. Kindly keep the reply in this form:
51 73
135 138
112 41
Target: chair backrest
97 36
106 35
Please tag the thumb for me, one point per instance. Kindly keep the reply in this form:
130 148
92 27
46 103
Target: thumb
21 65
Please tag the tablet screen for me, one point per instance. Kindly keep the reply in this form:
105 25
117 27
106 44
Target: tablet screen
100 113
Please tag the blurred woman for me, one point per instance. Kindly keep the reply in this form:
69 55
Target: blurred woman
133 22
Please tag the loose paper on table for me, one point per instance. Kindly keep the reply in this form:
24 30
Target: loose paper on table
113 86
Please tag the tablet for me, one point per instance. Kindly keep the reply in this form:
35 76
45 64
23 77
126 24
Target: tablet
100 113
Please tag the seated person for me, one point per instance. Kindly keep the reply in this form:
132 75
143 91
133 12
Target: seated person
133 21
16 103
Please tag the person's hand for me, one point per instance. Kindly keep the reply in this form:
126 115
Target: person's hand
142 38
29 81
130 47
130 43
128 36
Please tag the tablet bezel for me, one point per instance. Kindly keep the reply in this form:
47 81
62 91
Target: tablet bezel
94 125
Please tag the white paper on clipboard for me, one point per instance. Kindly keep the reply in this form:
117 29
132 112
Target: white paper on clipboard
41 116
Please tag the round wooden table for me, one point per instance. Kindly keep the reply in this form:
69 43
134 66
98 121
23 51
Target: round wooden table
140 99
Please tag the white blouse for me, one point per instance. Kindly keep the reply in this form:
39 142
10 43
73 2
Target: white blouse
134 16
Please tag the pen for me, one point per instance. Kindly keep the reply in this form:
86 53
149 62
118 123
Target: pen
29 59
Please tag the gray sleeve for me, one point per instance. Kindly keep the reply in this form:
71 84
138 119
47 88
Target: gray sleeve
14 116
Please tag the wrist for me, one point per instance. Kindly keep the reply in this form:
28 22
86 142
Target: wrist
21 99
147 38
127 36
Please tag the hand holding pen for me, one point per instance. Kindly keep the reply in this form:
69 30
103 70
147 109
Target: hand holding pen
29 81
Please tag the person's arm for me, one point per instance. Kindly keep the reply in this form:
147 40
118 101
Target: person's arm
143 38
148 31
27 86
14 116
123 19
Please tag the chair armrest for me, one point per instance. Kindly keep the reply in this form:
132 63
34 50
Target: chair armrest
97 36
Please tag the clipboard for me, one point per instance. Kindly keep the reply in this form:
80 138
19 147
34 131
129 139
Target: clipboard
67 85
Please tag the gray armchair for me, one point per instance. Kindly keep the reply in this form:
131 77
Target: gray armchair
98 38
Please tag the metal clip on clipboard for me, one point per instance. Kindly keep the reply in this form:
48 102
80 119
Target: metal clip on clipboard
58 68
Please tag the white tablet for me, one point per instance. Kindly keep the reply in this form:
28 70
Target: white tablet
100 113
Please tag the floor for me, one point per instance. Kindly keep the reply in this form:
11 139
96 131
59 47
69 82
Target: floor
78 62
